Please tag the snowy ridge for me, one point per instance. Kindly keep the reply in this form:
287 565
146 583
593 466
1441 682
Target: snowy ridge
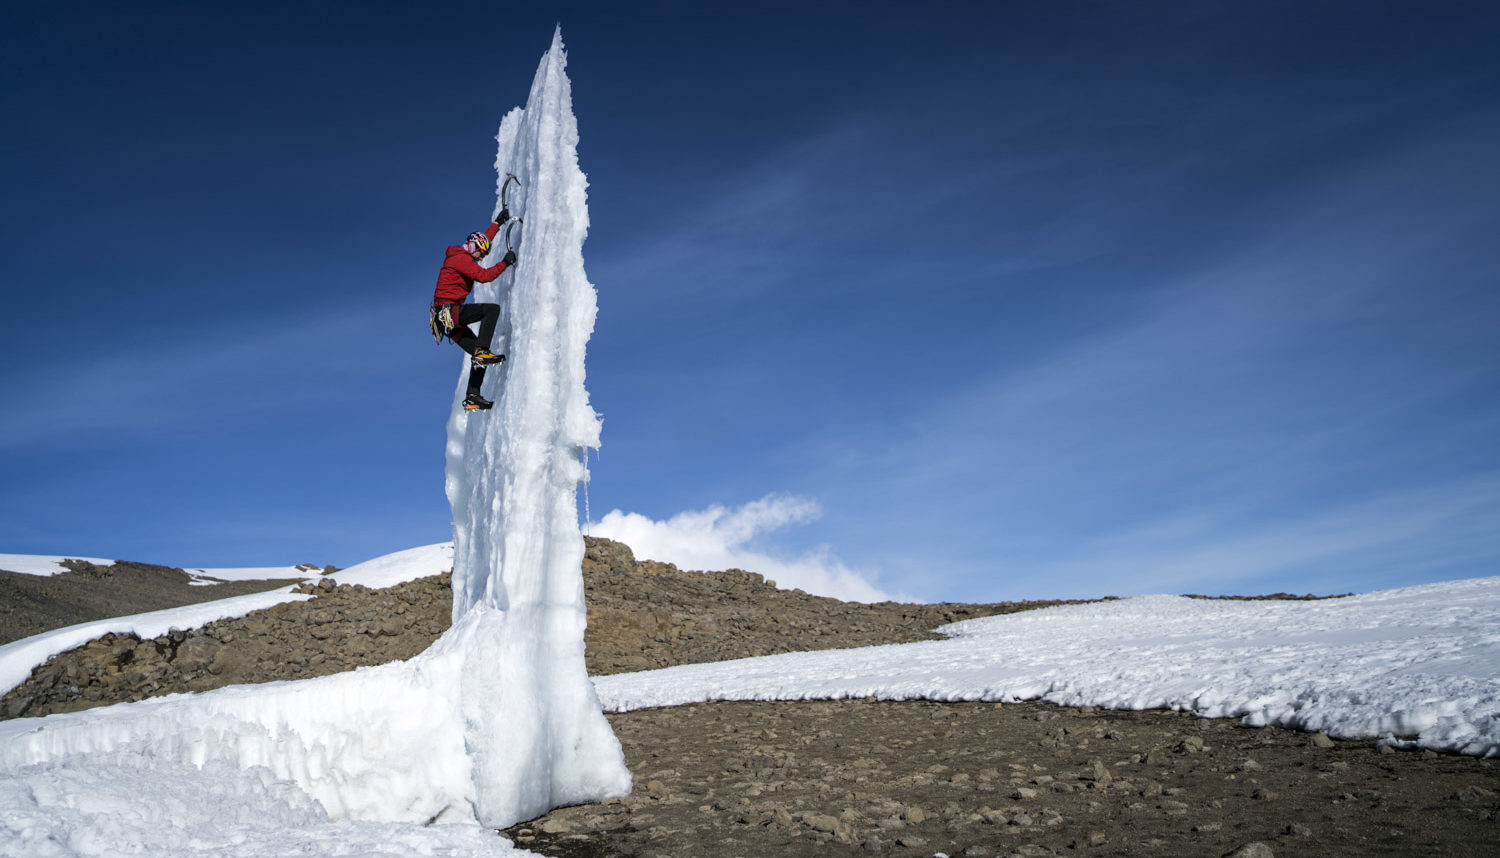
1418 666
43 565
19 658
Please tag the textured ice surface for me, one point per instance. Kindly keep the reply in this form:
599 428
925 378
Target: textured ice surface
1421 664
536 732
130 804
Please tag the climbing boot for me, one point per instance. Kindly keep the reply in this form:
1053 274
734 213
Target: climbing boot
485 357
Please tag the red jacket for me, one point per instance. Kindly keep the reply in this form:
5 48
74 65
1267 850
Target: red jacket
460 271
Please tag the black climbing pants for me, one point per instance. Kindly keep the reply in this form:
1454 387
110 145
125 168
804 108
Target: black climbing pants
487 315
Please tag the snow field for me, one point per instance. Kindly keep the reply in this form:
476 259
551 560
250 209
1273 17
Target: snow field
129 804
381 743
1418 666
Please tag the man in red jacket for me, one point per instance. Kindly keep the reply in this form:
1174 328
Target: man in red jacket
451 317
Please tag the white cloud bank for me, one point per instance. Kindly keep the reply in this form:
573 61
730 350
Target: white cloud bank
715 539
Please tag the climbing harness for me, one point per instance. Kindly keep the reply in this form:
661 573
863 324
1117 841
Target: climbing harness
441 321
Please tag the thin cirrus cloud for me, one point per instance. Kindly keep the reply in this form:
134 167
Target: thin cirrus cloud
1305 408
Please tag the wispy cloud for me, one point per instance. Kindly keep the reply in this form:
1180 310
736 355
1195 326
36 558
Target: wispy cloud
233 367
718 538
1365 544
1307 407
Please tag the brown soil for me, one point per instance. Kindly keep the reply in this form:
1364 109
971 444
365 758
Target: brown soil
32 604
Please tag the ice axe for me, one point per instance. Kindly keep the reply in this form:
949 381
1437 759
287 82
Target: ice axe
510 225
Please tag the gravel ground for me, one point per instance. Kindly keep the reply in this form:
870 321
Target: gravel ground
726 780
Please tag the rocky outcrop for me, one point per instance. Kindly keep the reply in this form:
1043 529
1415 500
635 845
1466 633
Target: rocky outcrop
644 615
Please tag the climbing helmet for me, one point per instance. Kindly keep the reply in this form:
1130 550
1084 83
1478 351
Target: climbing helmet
478 241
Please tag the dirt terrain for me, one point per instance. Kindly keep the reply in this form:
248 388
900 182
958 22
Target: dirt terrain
852 777
32 604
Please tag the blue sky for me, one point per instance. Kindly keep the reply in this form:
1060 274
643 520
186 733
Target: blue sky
967 301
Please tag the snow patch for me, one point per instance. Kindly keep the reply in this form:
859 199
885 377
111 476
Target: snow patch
42 564
1419 665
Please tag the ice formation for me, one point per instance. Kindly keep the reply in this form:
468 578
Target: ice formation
536 732
498 721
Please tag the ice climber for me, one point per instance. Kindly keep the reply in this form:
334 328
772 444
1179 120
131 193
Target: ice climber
451 317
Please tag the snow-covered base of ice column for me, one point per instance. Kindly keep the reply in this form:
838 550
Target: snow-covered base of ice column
498 721
379 743
534 728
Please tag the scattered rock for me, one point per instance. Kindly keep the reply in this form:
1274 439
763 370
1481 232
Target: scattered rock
1472 794
1101 773
822 822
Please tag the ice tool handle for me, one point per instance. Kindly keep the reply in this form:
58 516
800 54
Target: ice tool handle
510 225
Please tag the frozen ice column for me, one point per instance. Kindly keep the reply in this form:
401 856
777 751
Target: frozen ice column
533 726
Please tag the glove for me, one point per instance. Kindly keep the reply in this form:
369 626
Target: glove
502 217
509 259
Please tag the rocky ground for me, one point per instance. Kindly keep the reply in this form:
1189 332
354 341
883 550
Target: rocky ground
852 778
849 777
